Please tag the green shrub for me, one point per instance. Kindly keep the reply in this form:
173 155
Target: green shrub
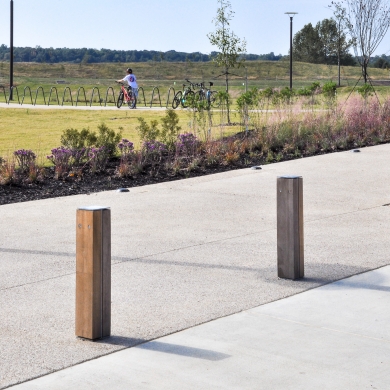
365 90
170 129
85 139
329 89
74 139
148 132
108 138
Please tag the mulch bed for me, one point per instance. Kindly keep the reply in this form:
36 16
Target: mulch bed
108 180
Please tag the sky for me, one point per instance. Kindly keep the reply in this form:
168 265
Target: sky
160 25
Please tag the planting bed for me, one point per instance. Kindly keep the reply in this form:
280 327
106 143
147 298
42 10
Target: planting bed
107 181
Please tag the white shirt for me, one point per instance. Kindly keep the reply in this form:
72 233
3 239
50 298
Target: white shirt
131 80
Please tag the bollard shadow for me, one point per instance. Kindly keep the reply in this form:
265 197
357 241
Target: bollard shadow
182 350
331 273
121 340
163 347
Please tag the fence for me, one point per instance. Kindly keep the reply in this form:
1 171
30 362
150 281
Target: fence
90 98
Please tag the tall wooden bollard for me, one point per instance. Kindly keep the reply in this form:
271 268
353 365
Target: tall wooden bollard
290 227
93 272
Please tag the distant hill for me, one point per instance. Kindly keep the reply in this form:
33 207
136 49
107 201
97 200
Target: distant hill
84 55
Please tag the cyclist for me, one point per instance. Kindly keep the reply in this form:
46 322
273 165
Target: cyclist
132 82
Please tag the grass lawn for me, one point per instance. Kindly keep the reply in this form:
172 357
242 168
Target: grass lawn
40 130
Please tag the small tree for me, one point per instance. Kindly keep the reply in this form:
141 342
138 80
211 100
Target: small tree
367 22
229 45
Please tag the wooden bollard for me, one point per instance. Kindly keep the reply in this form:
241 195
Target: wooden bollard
290 227
93 272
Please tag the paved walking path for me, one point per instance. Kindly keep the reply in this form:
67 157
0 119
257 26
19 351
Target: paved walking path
81 107
332 337
193 251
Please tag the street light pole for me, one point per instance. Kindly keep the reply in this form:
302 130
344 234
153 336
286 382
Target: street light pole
291 15
11 57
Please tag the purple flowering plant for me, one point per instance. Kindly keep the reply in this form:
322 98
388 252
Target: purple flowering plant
152 152
186 145
25 158
98 158
61 157
126 149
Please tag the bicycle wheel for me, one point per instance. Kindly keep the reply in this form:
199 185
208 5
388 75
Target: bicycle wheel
188 99
132 102
213 99
177 100
120 100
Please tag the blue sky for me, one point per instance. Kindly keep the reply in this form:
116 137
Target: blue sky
156 24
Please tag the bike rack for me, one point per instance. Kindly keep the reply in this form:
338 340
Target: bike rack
113 95
143 94
169 93
36 95
78 93
5 93
70 94
93 91
24 95
159 98
17 93
58 100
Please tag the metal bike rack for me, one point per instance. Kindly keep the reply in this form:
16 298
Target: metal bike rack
36 95
93 91
159 98
11 93
143 94
70 94
51 90
4 92
113 95
78 93
24 95
169 93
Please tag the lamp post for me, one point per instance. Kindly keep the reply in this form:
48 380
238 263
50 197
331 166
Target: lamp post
11 55
291 15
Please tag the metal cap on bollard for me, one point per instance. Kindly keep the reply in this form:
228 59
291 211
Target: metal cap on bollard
290 227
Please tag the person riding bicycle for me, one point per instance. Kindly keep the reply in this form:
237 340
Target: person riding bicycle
131 81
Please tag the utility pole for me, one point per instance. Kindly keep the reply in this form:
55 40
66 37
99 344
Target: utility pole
11 58
338 51
291 15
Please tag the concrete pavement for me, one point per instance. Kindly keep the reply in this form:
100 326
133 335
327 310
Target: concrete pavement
80 107
333 337
189 252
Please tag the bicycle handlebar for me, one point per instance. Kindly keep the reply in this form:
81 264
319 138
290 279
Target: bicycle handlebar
198 84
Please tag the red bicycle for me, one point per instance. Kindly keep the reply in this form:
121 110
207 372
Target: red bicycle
127 96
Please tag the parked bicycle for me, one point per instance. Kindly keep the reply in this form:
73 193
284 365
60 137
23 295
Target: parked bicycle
184 97
194 93
126 95
207 95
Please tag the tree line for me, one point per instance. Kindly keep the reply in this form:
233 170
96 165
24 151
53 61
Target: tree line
84 55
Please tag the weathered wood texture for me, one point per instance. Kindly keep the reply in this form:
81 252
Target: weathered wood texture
93 273
290 227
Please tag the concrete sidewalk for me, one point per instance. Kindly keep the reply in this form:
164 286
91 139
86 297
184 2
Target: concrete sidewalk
185 253
67 106
332 337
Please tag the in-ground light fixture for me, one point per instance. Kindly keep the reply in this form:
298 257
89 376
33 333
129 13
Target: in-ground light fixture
291 15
